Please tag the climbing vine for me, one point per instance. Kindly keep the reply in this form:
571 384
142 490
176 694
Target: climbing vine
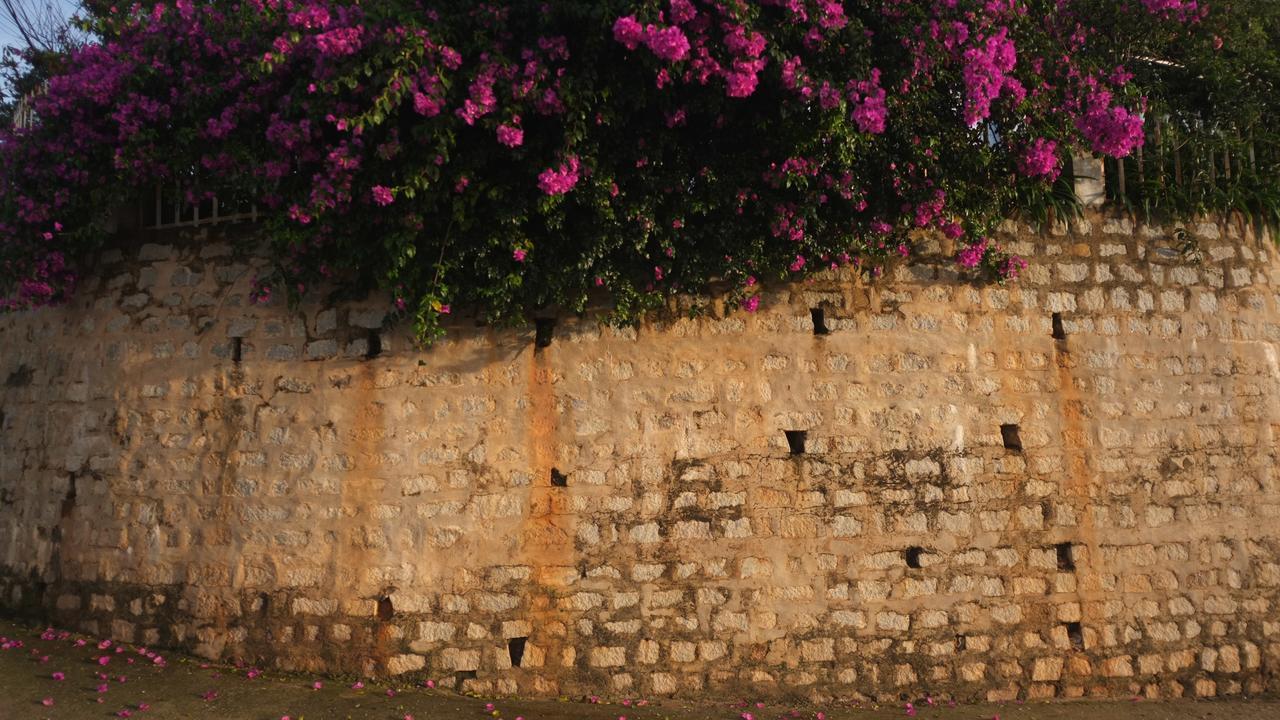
513 155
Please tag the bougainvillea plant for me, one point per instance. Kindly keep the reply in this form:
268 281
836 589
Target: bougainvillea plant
511 155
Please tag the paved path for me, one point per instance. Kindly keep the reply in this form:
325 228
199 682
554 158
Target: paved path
183 688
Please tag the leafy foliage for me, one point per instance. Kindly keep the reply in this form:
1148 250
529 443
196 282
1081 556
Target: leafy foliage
514 155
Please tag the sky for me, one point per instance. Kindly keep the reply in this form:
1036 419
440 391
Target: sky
9 34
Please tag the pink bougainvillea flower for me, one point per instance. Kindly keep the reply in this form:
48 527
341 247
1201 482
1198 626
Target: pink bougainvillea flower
669 43
868 100
1181 10
519 254
1040 159
47 702
1111 129
510 136
209 695
986 74
382 195
560 180
972 256
59 676
628 31
143 707
430 684
104 659
357 685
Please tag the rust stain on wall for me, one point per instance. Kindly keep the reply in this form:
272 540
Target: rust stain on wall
546 530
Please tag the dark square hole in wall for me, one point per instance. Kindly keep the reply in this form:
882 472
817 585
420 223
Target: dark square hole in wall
461 676
912 555
559 479
264 604
1066 563
819 321
515 648
21 377
796 440
1059 333
543 330
385 609
961 642
1075 633
237 349
69 501
374 347
1011 436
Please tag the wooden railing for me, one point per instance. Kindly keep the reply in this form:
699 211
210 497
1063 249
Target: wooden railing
24 114
171 208
1220 163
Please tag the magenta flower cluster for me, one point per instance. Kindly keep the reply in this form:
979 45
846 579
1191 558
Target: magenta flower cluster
1040 159
988 65
560 179
1110 129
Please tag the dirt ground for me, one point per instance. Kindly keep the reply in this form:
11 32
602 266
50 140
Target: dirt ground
61 676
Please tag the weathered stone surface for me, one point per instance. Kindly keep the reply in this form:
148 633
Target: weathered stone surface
397 515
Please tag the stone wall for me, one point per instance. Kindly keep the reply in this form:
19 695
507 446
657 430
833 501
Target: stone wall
980 510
